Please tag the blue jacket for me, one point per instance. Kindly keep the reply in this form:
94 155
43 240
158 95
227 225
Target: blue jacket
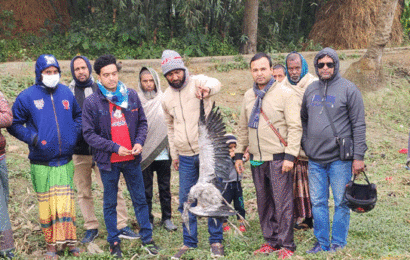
97 126
52 123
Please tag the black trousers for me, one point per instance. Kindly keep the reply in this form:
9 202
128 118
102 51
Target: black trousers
233 192
163 170
274 193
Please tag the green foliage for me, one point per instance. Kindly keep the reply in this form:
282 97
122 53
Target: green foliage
7 22
238 63
405 18
12 86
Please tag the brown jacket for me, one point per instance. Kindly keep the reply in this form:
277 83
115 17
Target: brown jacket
282 107
181 111
299 90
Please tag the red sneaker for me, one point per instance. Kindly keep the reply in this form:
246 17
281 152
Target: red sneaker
265 249
242 228
227 228
284 253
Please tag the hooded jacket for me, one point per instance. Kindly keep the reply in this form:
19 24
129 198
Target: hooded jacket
48 120
345 105
181 110
157 139
81 92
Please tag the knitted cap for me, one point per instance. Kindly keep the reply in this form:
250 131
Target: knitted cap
171 60
231 139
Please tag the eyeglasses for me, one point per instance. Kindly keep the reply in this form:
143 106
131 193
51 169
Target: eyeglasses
328 64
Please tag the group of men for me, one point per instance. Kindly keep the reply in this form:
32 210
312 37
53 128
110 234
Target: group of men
106 127
293 128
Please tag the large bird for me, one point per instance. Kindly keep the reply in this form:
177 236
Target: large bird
214 164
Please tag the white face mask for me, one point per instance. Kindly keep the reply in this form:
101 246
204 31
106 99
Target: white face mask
51 81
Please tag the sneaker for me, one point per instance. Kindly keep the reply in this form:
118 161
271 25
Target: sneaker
181 251
284 253
127 233
89 236
115 250
226 228
242 228
217 250
316 249
151 248
168 225
335 247
265 249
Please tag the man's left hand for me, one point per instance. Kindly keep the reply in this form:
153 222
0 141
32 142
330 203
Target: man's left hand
202 92
287 166
358 167
137 149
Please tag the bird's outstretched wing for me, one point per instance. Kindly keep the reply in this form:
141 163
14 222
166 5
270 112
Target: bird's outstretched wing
214 152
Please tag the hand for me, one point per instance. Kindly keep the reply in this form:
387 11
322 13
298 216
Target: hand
246 156
123 151
202 92
287 166
358 167
175 163
239 166
137 149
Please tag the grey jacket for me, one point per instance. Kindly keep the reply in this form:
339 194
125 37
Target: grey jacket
345 104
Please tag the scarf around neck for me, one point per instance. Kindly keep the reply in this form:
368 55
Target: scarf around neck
254 118
119 97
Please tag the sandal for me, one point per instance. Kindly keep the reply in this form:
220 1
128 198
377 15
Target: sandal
51 255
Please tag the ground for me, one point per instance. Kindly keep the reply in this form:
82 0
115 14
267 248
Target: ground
380 234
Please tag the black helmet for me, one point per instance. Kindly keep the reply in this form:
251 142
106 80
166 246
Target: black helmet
361 198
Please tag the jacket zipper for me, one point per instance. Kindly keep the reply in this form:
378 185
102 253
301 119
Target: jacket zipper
58 127
183 118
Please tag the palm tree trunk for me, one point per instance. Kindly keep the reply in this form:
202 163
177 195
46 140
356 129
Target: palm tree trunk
250 26
367 73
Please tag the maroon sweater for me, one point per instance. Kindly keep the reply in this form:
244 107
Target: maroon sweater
6 119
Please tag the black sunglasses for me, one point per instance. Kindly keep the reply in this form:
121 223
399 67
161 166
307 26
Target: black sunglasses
328 64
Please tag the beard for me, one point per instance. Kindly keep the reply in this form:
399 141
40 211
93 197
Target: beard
150 94
177 85
295 79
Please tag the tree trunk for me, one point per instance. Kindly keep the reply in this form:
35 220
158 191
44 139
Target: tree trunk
367 73
250 26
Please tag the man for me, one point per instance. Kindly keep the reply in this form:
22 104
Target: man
345 108
181 109
298 79
155 156
279 72
6 233
82 86
47 117
114 125
272 157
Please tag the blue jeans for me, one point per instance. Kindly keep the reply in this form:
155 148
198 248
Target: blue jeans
135 184
188 177
337 174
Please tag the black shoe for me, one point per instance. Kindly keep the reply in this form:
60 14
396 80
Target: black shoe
127 233
89 236
115 250
151 248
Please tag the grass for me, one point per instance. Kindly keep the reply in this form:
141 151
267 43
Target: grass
383 233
